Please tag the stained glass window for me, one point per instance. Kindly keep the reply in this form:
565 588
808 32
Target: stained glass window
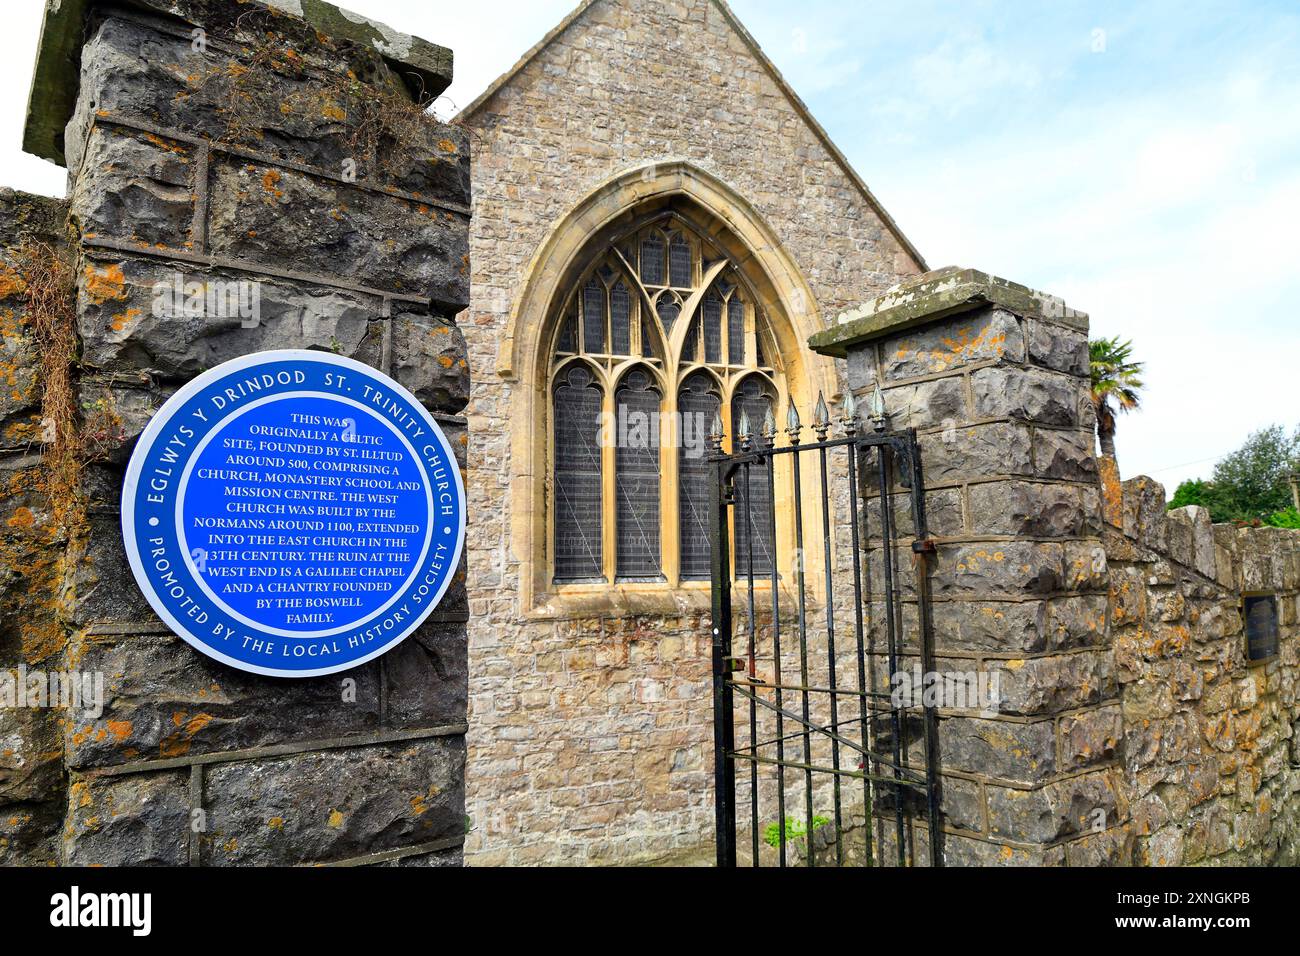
652 259
735 330
593 316
578 507
568 340
669 309
697 404
713 328
636 476
620 315
679 263
753 512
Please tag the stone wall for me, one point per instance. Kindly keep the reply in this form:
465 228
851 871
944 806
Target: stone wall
32 537
223 141
1210 759
590 726
1127 726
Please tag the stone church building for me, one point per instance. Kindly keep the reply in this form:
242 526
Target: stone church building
636 239
646 159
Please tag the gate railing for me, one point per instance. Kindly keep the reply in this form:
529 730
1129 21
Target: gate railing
788 736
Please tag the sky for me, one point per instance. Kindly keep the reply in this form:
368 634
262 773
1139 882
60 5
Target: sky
1141 160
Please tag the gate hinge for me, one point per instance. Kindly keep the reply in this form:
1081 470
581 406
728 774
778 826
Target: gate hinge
923 546
735 664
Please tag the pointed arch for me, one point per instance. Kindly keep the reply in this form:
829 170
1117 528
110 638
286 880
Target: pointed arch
723 249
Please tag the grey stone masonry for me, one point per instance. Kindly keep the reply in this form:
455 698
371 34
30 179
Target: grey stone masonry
279 144
994 378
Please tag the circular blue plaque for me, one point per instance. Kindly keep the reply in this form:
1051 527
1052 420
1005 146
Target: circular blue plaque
293 513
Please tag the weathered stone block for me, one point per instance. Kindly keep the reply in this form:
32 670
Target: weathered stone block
1085 565
963 804
1054 811
429 359
977 451
334 805
1077 621
265 214
997 568
101 578
943 514
113 416
1113 847
136 187
1065 454
129 324
1001 626
988 334
1090 737
140 819
1029 509
292 100
1038 685
961 850
1057 347
29 833
1026 395
163 699
1016 751
934 403
30 768
428 677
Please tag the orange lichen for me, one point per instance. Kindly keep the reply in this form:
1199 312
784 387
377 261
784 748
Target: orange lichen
105 284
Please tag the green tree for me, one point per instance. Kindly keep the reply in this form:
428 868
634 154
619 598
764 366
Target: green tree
1286 518
1196 491
1253 478
1116 386
1251 484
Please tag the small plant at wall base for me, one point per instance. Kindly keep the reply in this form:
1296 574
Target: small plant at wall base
794 829
1116 386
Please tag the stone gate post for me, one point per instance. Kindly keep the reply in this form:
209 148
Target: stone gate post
994 376
279 158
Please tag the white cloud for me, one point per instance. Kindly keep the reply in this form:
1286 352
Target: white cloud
962 71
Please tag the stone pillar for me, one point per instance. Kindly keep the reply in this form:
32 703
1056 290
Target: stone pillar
994 377
224 141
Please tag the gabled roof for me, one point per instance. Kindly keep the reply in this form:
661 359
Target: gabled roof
768 65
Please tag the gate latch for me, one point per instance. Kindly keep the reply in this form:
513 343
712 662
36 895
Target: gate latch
735 664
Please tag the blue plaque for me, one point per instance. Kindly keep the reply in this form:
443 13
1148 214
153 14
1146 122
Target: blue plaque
293 513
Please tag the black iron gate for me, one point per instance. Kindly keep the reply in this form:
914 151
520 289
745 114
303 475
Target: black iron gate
836 742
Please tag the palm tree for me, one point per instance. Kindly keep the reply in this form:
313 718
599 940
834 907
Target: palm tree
1116 386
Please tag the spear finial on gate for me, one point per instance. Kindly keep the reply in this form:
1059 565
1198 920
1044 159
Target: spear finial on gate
821 418
744 430
849 415
878 409
715 432
769 428
792 426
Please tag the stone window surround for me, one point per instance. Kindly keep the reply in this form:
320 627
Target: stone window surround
718 213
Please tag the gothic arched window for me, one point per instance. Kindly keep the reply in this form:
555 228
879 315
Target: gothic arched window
656 338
